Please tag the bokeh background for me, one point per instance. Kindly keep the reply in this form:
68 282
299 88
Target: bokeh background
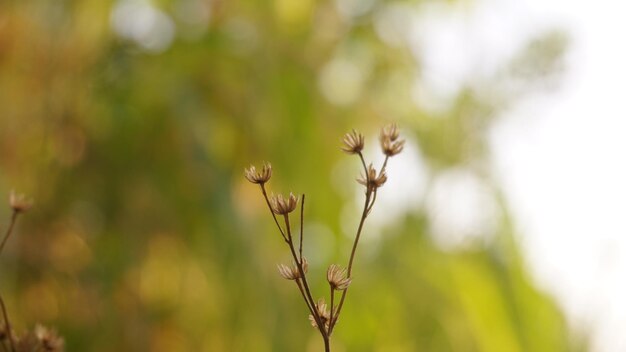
130 123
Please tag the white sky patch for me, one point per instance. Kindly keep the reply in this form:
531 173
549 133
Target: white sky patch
405 189
561 161
138 20
461 209
457 45
560 156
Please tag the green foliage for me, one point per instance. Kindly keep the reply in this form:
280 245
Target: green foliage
145 235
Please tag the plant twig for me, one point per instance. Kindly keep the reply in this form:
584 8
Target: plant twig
305 284
352 253
267 201
9 229
332 307
301 225
7 325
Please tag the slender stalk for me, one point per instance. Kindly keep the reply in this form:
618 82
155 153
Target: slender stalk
307 290
332 306
326 343
9 230
367 177
371 205
267 201
301 225
384 163
7 325
367 207
311 309
5 316
354 246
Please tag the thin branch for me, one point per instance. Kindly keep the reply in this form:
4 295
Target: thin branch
267 201
307 290
301 225
354 246
9 230
384 163
332 307
311 309
326 343
371 205
367 177
7 325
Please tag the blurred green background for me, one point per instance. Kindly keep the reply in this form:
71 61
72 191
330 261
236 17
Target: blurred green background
130 124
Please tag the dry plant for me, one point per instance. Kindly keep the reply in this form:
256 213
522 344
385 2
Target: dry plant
322 316
41 339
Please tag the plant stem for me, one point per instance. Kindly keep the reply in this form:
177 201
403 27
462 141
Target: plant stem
301 226
5 316
9 230
326 343
332 307
307 290
267 201
7 325
366 209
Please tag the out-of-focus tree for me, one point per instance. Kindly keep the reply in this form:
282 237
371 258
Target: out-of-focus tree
130 123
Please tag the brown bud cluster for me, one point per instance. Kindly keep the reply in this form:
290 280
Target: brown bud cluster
261 176
323 312
353 142
372 179
337 277
41 339
282 205
19 203
292 272
389 141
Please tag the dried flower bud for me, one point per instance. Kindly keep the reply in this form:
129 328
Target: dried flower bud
392 148
281 205
390 132
4 333
324 314
353 142
259 177
19 203
389 140
49 339
337 277
292 272
288 272
372 180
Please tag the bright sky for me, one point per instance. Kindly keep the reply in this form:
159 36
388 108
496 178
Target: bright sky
559 155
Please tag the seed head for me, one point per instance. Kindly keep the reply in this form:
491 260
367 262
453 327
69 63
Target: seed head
324 314
19 203
337 277
5 333
292 272
392 148
259 177
281 205
49 339
390 132
389 141
288 272
353 142
372 180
